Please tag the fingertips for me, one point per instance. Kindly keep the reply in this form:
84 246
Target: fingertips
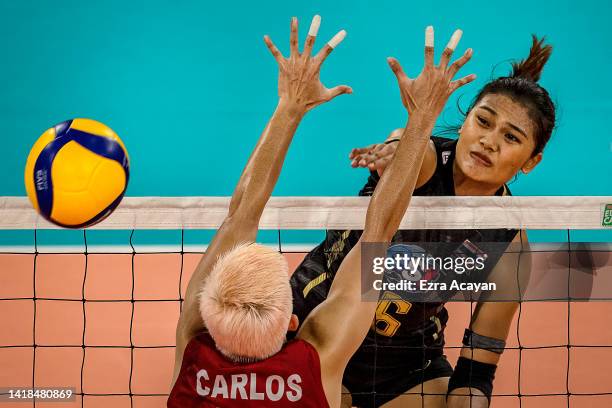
343 89
314 26
339 90
429 37
468 54
463 81
394 65
337 39
452 44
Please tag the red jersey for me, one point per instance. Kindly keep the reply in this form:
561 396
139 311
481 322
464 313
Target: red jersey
290 378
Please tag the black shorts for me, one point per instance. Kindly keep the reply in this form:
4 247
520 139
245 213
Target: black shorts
372 386
381 369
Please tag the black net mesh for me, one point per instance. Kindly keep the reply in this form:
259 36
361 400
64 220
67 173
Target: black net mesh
519 398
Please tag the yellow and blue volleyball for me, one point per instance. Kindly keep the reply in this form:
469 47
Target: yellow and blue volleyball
77 173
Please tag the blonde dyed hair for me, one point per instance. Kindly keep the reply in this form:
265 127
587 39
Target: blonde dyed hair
246 302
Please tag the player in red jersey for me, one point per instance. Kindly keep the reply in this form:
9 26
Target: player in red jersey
230 338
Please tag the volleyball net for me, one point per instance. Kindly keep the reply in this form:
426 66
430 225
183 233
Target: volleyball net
94 311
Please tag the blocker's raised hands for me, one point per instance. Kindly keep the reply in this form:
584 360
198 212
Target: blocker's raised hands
298 75
427 94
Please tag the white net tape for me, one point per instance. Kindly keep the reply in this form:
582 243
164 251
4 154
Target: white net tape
581 213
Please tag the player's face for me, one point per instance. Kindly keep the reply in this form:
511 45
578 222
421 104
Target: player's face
496 141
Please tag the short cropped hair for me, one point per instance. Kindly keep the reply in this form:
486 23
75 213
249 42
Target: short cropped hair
246 302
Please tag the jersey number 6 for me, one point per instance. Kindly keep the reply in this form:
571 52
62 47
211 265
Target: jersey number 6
385 324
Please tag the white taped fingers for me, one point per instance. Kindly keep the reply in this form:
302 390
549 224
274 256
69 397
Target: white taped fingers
429 36
314 26
452 44
337 39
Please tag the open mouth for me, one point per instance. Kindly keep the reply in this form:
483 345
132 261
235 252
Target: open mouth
481 159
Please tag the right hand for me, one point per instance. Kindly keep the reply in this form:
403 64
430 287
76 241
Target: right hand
427 94
375 157
298 75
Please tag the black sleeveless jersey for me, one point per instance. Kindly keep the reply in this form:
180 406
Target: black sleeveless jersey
397 318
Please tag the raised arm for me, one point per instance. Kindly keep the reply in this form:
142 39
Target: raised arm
337 326
299 90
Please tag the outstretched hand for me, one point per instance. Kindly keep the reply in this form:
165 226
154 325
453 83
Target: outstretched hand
427 94
375 157
298 75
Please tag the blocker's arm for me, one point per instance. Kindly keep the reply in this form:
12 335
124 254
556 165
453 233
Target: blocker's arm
299 90
337 326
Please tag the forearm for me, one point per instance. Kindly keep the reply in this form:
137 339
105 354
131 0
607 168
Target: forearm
475 371
393 192
250 197
265 163
337 342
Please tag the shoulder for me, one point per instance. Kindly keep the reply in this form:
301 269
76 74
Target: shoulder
304 357
428 168
323 376
443 142
197 343
444 148
186 352
430 162
438 151
304 348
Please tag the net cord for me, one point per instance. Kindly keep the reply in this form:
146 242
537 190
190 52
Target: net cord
304 213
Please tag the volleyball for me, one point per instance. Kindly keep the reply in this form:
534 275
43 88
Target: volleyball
76 173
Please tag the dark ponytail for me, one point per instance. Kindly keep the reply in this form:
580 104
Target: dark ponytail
522 86
531 67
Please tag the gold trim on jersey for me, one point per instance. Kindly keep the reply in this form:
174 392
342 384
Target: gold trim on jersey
337 249
313 283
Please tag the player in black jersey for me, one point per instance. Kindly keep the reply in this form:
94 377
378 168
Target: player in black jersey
504 133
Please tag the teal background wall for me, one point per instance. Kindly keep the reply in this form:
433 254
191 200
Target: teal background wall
189 84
